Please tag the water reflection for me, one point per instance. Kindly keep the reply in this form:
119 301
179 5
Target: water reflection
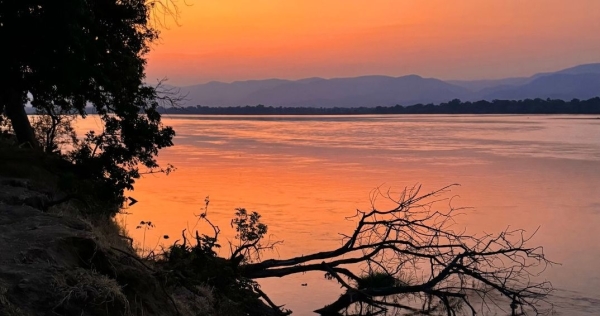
306 174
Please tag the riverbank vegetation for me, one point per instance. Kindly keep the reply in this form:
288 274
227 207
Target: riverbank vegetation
528 106
403 260
64 252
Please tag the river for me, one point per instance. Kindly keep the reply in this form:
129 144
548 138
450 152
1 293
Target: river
305 174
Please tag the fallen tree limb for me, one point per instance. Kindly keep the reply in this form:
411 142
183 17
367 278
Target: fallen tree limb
424 265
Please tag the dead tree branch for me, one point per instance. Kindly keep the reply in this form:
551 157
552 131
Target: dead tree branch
412 260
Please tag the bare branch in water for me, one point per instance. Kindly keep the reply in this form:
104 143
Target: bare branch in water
413 261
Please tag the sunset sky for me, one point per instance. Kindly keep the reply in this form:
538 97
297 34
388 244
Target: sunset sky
229 40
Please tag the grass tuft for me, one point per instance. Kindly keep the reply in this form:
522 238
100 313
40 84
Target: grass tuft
80 287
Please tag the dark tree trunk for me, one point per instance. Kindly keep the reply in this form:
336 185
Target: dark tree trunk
15 111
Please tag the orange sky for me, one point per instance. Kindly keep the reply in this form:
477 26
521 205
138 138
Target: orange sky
228 40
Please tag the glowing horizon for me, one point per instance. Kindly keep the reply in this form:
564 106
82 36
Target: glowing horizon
241 40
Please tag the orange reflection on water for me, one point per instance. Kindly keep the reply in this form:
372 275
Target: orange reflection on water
305 175
292 203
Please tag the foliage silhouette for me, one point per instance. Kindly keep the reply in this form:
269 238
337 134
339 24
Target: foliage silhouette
197 263
62 56
250 232
55 130
527 106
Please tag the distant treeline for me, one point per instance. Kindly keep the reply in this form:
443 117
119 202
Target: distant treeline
528 106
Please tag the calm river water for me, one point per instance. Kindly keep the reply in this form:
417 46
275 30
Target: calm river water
305 174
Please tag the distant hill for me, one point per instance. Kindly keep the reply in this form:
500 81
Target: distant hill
219 93
577 70
582 82
579 82
555 86
478 85
319 92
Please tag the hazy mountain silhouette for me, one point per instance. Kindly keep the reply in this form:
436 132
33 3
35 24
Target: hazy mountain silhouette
221 94
577 70
501 84
577 82
359 91
478 85
581 82
554 86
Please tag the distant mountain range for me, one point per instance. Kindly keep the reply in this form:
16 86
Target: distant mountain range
581 82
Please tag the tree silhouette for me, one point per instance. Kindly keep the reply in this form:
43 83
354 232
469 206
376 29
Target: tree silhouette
65 55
